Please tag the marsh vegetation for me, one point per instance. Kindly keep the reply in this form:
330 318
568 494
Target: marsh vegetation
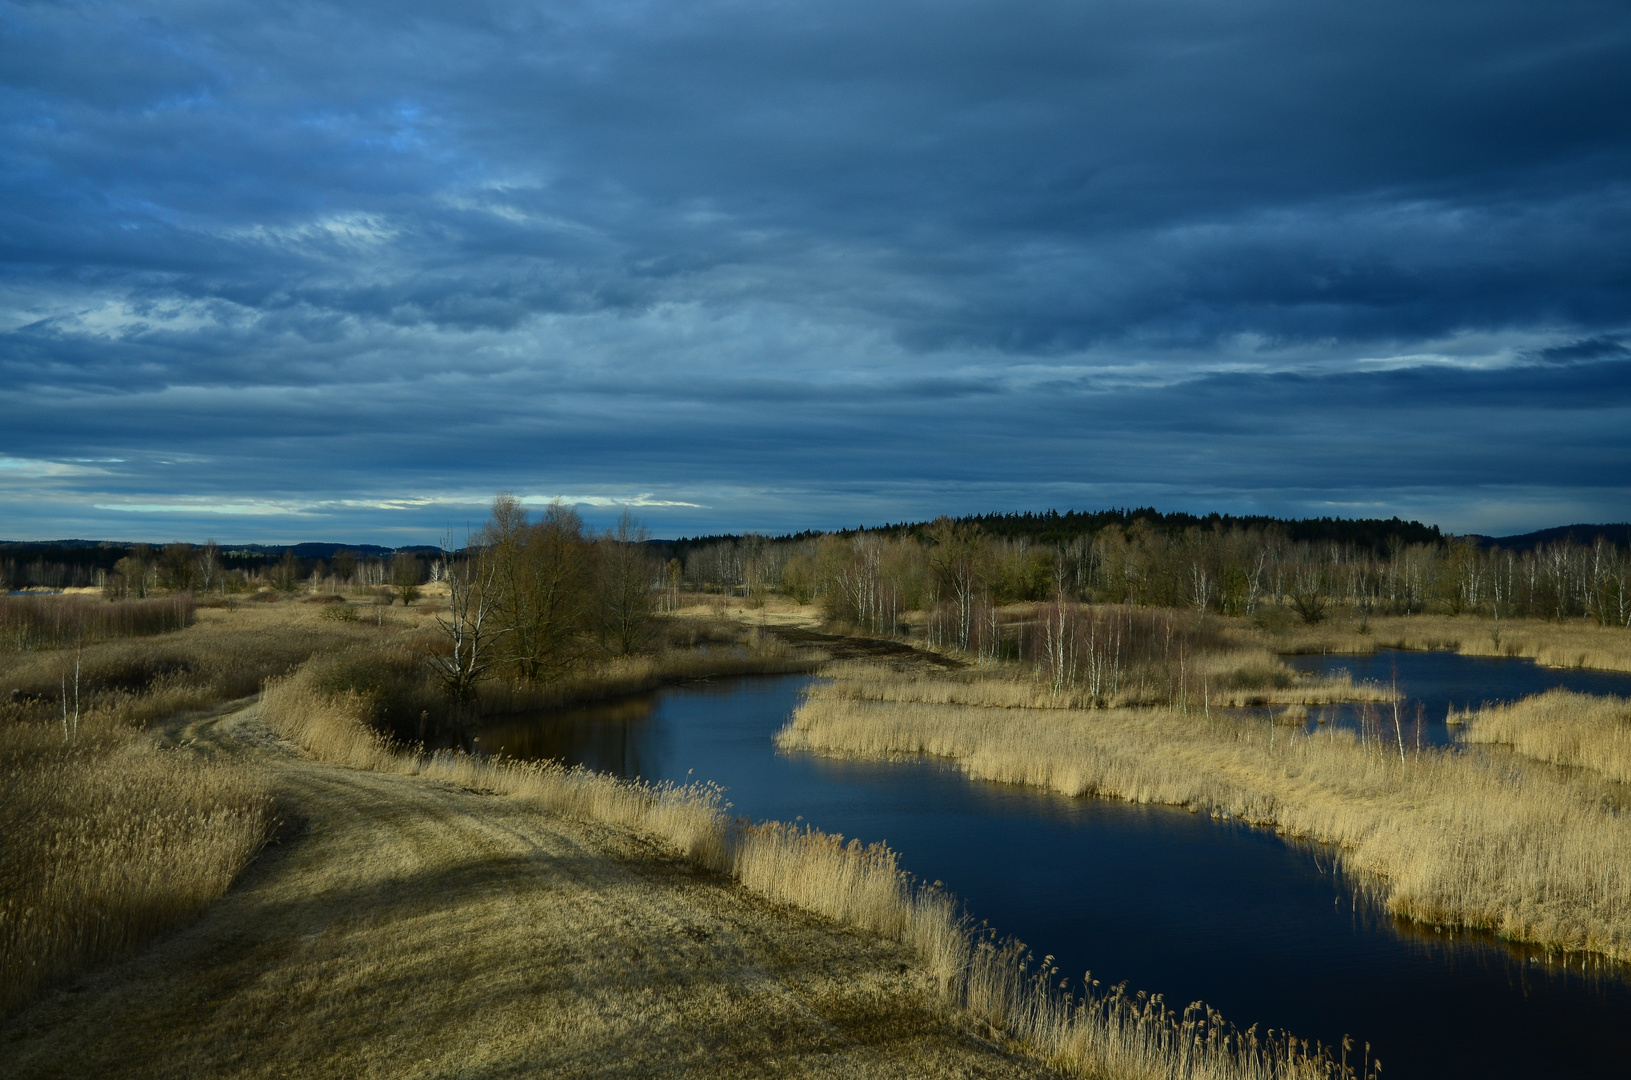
1100 666
1448 837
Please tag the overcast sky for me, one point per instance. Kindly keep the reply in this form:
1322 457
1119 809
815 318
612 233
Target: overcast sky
293 271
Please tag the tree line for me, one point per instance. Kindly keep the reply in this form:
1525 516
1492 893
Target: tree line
135 571
959 572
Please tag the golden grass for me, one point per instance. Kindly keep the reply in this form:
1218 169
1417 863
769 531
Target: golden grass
420 929
108 839
1561 727
1109 1035
1449 838
109 842
224 655
1574 643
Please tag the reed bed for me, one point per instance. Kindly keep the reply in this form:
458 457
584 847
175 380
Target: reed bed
1107 1034
107 842
1572 643
51 622
393 690
1253 677
1449 838
1582 731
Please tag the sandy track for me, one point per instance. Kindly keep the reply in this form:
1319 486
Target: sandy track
407 928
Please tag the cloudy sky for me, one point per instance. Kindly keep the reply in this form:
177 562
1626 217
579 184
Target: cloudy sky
293 270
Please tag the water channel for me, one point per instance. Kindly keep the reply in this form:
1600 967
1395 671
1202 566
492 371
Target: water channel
1171 902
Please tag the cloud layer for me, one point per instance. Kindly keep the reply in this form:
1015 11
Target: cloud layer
300 270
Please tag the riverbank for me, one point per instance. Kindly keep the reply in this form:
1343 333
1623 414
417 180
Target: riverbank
994 983
408 926
1454 839
1570 643
420 912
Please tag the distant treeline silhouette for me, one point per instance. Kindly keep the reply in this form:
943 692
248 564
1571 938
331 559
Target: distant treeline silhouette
960 570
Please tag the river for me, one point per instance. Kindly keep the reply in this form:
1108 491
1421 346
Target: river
1168 901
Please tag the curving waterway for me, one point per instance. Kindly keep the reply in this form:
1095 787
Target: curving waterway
1169 901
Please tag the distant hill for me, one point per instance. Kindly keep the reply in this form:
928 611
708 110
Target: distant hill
1054 527
65 563
1585 535
35 549
326 551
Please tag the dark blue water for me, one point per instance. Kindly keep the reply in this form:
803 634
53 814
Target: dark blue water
1168 901
1432 682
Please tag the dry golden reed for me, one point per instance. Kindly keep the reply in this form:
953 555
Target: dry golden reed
1009 686
109 842
1561 727
1451 838
106 839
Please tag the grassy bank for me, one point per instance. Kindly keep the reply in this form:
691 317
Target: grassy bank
1570 643
1449 838
110 839
223 655
1109 1035
108 843
392 687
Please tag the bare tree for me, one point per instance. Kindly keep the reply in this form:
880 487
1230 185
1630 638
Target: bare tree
286 573
542 581
177 568
210 576
407 574
470 627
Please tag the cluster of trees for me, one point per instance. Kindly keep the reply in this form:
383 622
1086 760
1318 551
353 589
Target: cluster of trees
959 572
533 599
206 569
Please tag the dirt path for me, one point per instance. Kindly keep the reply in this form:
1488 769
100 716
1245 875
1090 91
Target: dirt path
405 928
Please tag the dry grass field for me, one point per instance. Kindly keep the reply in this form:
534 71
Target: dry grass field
406 926
441 915
1531 852
108 843
996 984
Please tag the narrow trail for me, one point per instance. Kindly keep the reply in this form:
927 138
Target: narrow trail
399 927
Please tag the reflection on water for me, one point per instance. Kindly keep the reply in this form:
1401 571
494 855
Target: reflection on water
617 737
1167 900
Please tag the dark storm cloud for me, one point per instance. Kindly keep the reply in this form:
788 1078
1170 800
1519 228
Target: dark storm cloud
852 253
